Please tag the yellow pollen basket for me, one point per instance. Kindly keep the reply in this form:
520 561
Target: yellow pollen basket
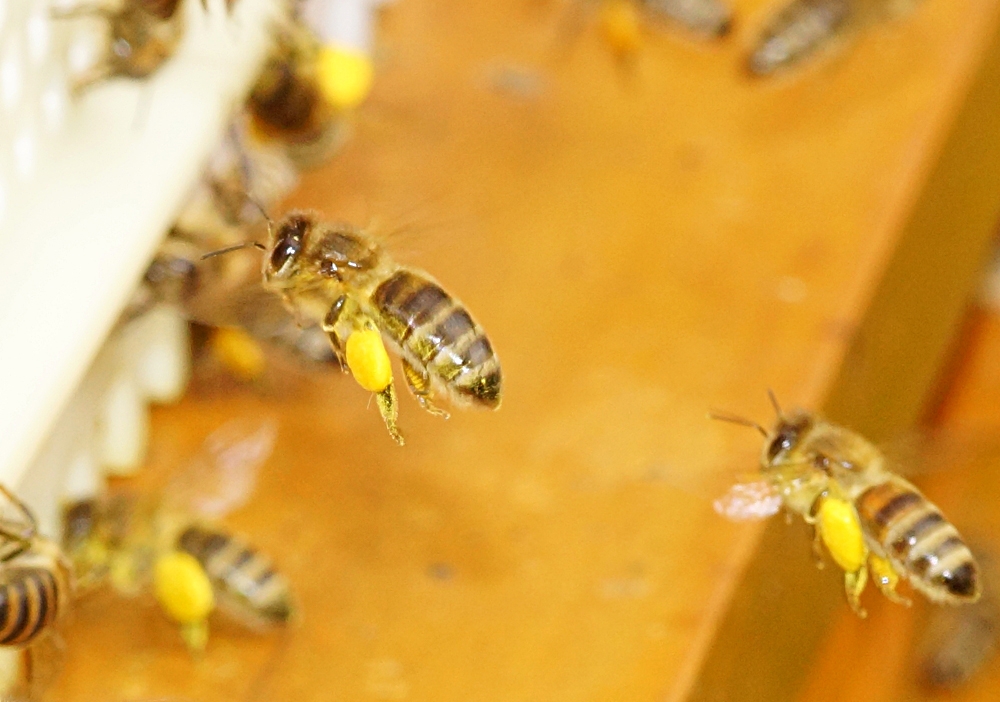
182 588
345 76
620 25
239 353
368 360
841 533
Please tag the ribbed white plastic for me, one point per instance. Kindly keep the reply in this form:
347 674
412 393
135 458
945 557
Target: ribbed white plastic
88 186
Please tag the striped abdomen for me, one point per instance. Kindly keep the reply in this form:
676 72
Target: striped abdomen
437 335
29 601
711 18
920 543
799 29
239 572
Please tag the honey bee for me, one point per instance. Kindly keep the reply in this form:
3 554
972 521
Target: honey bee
799 29
35 580
142 34
805 27
958 643
288 103
706 18
227 295
342 279
126 542
867 517
621 21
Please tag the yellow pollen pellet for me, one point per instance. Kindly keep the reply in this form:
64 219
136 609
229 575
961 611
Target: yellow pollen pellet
344 75
841 533
182 587
368 360
619 20
239 353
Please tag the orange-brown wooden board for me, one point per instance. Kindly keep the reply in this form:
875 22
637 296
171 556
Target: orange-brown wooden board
641 246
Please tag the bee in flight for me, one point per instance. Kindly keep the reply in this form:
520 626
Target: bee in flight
176 549
868 518
342 279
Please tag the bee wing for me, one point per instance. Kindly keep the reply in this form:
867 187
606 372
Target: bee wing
223 475
226 300
17 524
749 500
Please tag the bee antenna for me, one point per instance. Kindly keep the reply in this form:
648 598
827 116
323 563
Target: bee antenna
735 419
267 218
774 403
235 247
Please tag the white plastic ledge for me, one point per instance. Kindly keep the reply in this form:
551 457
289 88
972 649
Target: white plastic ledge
74 249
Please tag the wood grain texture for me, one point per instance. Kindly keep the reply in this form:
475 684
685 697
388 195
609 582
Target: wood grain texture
641 245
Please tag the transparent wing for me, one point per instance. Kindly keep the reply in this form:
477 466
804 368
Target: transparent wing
17 525
748 500
223 475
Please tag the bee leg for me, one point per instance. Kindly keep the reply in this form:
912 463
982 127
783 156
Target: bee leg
817 548
812 521
387 406
886 578
195 635
419 384
854 585
330 326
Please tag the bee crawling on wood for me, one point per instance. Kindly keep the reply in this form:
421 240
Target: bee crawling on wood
174 546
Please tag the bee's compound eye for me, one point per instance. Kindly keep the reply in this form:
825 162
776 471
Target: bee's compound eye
284 251
288 242
782 442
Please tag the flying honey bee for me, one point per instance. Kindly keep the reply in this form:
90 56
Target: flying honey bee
342 279
126 542
867 517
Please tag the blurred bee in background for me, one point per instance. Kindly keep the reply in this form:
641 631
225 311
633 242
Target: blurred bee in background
173 547
867 517
35 581
225 295
142 34
340 278
36 587
710 19
303 94
804 27
957 643
621 21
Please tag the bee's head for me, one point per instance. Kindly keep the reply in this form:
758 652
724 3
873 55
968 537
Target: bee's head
786 437
284 255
